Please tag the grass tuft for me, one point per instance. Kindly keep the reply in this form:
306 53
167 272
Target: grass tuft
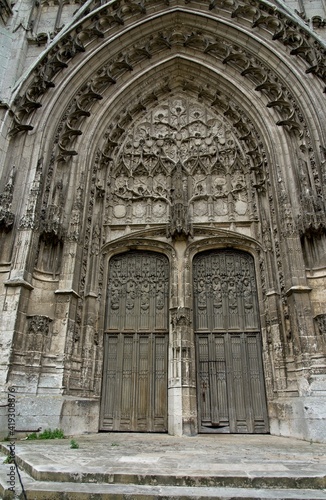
73 444
47 434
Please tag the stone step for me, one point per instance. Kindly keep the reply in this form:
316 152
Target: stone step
43 490
80 490
34 466
147 467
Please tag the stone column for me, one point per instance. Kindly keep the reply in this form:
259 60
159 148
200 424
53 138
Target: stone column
182 384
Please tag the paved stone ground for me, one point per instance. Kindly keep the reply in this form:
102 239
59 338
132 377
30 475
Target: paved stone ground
159 465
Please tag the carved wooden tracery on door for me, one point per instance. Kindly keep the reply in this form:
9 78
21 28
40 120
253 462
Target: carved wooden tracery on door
230 382
134 395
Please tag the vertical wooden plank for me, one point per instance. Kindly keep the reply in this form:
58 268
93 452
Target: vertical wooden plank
256 384
203 388
160 382
126 403
111 377
200 296
220 364
213 389
217 293
143 383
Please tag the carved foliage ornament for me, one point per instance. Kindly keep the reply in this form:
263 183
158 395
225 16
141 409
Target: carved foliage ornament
278 95
321 323
39 324
262 16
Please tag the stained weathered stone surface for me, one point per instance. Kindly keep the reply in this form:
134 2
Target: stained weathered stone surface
163 129
154 466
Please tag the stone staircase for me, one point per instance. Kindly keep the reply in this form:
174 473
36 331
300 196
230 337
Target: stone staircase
143 467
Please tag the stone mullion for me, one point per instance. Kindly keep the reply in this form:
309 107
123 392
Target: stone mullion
65 323
89 349
13 316
182 386
67 294
295 287
306 349
275 339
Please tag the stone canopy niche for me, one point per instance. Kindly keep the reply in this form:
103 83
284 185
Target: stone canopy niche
181 164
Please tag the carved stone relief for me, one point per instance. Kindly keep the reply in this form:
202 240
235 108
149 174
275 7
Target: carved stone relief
32 345
180 164
6 216
30 219
321 324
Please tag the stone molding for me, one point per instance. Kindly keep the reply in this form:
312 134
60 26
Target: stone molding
265 17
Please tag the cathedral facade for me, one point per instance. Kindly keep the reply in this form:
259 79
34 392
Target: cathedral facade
163 216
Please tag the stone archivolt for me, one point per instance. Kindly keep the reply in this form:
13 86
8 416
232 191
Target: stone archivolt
7 218
99 24
276 91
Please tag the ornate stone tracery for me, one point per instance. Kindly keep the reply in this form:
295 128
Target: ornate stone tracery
180 164
76 41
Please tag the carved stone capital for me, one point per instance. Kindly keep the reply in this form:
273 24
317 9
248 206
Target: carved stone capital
38 324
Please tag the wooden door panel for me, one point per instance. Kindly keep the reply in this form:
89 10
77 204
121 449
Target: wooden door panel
231 392
135 383
134 390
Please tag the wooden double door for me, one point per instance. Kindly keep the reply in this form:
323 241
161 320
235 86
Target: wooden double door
230 382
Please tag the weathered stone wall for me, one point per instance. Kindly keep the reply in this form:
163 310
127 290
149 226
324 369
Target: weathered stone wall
174 127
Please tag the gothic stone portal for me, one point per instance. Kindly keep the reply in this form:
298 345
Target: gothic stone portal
230 382
182 166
